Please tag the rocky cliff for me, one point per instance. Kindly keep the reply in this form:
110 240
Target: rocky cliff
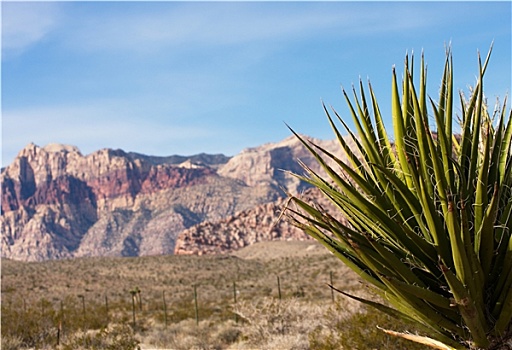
265 222
59 203
273 163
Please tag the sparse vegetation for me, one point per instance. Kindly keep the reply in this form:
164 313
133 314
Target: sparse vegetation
119 337
41 307
359 330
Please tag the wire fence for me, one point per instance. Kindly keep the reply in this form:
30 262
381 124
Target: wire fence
53 319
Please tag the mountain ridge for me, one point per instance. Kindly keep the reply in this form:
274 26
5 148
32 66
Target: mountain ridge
58 203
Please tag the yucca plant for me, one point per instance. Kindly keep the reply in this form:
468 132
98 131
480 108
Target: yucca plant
427 218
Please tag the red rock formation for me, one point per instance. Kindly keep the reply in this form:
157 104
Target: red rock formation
163 177
9 197
63 195
59 203
262 223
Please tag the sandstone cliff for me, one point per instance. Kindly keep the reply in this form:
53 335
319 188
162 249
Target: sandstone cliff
265 164
59 203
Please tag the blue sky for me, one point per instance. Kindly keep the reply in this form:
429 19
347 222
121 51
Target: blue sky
166 78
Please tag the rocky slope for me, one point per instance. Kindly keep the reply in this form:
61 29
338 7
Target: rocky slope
58 203
272 163
265 222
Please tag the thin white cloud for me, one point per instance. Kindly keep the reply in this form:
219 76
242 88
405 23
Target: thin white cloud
144 28
26 23
206 86
91 128
159 113
190 24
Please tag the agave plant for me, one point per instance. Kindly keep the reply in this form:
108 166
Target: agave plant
427 218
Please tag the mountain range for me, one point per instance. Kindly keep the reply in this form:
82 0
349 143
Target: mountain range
58 203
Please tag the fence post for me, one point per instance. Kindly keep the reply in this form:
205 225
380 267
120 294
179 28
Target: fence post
83 310
234 299
106 309
133 293
59 324
195 303
140 299
61 321
279 287
165 308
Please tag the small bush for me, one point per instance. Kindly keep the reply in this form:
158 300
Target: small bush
120 337
271 323
185 335
11 343
228 333
360 331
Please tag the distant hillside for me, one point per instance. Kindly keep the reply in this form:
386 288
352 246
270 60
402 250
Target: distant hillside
58 203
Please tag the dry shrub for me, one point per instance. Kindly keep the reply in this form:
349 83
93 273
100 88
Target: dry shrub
284 324
359 331
187 335
117 337
11 343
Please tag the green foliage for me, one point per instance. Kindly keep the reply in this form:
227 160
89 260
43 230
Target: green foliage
428 219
